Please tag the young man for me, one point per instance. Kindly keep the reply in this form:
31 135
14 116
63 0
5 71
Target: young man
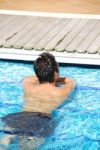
41 95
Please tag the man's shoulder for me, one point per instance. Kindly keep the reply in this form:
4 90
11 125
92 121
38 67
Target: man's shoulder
29 78
28 81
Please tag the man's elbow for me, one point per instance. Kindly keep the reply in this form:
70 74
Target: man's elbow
73 82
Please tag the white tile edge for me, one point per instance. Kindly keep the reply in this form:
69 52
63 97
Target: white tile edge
73 58
48 14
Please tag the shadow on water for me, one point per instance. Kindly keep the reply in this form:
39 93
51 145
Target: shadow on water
60 64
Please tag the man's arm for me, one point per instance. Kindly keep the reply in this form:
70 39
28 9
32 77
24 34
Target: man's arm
66 89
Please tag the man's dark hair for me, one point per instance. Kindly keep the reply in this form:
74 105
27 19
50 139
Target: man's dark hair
45 66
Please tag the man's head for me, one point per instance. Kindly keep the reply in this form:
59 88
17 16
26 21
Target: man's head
46 67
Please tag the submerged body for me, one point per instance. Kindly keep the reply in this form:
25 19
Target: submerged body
40 101
41 96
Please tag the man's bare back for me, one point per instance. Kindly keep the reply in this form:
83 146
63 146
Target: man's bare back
45 97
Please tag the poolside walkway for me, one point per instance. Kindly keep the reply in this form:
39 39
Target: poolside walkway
71 40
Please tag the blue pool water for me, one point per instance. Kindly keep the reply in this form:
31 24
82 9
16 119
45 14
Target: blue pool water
78 118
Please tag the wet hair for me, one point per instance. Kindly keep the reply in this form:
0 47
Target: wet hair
45 67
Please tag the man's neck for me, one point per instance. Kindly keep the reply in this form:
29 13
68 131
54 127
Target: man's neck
49 83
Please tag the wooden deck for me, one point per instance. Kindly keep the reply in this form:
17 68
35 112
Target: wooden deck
59 6
61 35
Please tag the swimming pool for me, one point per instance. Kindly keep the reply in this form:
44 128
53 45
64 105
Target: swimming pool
78 118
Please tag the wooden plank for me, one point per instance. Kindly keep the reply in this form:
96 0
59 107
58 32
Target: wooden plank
3 17
89 39
8 26
41 44
60 35
81 36
94 47
23 32
41 34
99 51
18 26
71 35
32 33
14 30
5 21
6 32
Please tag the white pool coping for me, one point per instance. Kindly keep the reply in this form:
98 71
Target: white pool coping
48 14
62 57
73 58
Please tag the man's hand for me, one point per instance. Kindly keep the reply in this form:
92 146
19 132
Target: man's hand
61 80
69 85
